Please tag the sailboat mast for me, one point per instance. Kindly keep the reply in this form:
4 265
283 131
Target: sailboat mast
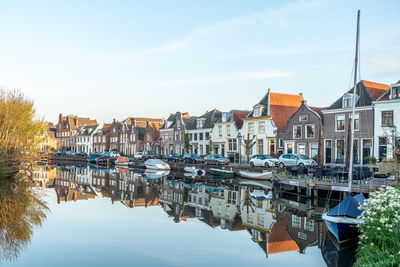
354 105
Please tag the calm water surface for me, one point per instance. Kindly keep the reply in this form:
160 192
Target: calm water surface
123 217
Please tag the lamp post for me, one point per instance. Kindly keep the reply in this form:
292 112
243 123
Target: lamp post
239 137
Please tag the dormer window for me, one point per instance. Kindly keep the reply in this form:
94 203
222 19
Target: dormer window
224 115
395 92
200 123
257 112
347 100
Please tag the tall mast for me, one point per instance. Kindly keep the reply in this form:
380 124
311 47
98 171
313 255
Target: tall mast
354 105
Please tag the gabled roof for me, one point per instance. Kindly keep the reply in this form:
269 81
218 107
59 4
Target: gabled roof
237 116
367 91
87 129
210 118
76 122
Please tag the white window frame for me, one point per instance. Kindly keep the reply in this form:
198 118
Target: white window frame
303 116
356 117
344 123
306 131
294 132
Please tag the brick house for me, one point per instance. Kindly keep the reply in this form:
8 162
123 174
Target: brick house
303 132
172 133
337 123
67 128
115 135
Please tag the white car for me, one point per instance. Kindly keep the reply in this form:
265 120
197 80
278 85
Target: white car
264 161
138 155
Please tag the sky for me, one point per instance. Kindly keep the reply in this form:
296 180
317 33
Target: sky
114 59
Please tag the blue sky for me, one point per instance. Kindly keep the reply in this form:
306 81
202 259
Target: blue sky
113 59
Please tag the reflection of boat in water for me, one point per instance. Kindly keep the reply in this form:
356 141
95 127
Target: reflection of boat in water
261 194
212 189
220 172
256 175
152 175
122 161
156 164
335 254
261 184
194 171
191 185
342 220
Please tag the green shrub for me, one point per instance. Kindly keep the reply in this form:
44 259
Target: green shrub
379 229
368 160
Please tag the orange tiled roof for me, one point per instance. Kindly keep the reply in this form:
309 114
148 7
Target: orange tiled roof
279 239
375 89
280 115
284 100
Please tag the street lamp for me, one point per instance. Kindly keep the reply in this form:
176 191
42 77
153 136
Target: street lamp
239 137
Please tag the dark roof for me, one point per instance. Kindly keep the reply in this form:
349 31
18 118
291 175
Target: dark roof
210 117
367 91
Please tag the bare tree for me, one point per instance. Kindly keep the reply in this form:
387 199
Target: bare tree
248 145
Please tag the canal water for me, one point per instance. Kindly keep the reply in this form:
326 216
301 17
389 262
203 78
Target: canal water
81 216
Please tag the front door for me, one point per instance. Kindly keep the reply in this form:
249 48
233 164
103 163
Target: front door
367 148
289 147
382 148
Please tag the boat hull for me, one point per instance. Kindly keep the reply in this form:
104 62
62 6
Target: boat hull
256 176
222 173
343 231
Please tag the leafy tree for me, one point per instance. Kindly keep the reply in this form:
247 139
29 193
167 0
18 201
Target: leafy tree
187 143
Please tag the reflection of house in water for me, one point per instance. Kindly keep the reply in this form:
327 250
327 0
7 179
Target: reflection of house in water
224 206
126 186
260 220
67 189
44 176
172 201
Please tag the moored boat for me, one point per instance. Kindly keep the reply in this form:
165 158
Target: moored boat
195 171
220 172
256 175
123 161
156 164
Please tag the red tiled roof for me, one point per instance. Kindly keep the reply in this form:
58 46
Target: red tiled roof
280 115
375 89
238 116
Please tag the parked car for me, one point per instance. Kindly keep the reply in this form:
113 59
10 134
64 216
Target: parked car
296 160
61 153
52 153
174 157
193 158
149 154
70 153
215 159
138 155
263 160
81 154
112 154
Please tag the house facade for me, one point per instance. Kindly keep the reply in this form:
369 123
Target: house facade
224 135
84 138
303 132
173 131
200 132
337 124
387 123
267 117
67 128
101 139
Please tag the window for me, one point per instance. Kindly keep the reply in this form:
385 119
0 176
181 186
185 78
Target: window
261 127
260 146
257 112
356 121
301 149
251 127
302 235
340 150
250 218
347 100
396 92
207 136
308 225
296 221
195 136
313 150
339 123
310 131
200 136
228 130
232 197
220 131
303 118
280 142
260 219
232 144
387 118
190 137
259 204
297 131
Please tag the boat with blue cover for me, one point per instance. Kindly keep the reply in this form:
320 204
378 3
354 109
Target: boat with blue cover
342 220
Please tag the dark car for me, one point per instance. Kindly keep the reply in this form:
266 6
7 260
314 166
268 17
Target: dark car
149 154
61 153
174 157
216 159
193 158
81 154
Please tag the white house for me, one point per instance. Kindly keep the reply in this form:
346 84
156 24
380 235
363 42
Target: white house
200 131
224 136
387 123
84 138
224 206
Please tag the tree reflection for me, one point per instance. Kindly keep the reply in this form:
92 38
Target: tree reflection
21 209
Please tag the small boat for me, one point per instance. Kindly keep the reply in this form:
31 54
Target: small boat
151 176
256 175
194 170
257 183
260 194
122 161
156 164
220 172
342 220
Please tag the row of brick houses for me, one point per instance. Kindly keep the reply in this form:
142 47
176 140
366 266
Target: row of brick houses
278 123
128 137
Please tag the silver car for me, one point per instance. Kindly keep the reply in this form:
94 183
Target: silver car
263 160
299 160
